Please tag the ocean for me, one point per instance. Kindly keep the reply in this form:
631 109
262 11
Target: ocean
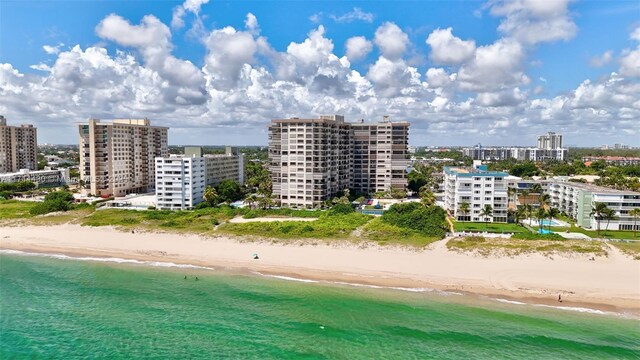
55 307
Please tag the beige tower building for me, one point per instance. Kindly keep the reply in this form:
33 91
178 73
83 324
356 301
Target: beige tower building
312 160
18 147
309 159
117 157
380 156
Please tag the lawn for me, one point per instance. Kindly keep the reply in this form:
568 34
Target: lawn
610 234
382 233
326 227
490 227
511 247
14 209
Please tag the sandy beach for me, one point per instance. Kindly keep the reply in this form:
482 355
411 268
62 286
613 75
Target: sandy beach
609 283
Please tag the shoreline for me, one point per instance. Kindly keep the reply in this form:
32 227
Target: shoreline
610 284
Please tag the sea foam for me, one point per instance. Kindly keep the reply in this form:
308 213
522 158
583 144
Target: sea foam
106 259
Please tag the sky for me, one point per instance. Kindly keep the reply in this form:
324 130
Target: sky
216 72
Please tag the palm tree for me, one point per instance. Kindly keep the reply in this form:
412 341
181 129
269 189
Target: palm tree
552 213
520 214
536 189
486 212
609 214
525 194
540 214
464 208
544 200
597 212
251 199
210 196
427 198
510 192
528 210
635 213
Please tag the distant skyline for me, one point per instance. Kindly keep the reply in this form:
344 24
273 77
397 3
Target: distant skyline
216 72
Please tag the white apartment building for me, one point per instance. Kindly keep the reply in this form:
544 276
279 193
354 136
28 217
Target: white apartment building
42 178
18 147
518 153
478 187
578 199
117 157
180 182
311 160
182 179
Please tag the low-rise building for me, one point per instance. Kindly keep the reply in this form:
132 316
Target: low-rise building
42 178
612 160
478 187
577 200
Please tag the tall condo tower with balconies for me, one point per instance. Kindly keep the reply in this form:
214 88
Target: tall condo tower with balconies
18 147
117 157
311 160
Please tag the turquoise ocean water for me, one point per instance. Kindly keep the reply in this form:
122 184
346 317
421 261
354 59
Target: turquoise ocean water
64 309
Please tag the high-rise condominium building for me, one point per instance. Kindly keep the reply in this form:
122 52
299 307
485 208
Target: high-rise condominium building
311 160
18 147
550 141
117 157
380 153
549 148
478 187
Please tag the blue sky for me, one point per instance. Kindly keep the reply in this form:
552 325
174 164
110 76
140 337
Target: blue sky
540 84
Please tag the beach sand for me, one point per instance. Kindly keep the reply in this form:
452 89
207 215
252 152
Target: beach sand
609 283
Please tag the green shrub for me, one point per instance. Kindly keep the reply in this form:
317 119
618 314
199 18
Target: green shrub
341 209
430 221
202 205
59 195
56 203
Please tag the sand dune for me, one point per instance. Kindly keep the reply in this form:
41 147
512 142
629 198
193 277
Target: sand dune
611 283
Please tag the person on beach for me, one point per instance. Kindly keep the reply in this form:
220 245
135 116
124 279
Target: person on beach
559 298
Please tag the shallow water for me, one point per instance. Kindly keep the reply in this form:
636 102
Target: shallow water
59 307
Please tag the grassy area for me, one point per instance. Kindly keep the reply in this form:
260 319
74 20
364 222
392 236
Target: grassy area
326 227
196 221
510 247
610 234
490 227
284 212
630 248
382 233
14 209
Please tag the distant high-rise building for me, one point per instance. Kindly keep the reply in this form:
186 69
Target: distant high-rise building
549 148
311 160
550 141
117 158
18 147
